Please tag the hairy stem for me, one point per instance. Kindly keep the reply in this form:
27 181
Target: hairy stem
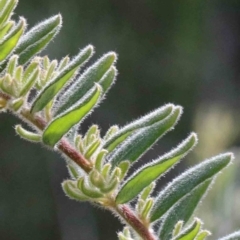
128 215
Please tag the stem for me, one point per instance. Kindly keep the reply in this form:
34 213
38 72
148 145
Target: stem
128 215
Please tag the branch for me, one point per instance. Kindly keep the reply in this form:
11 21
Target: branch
128 215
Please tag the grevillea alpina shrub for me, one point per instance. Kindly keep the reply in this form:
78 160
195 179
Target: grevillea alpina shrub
98 162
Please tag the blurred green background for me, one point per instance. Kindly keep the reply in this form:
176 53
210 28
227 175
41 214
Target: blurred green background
184 52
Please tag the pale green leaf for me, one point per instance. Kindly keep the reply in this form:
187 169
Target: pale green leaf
64 122
191 232
152 171
140 141
6 28
187 181
49 92
30 82
30 136
182 210
202 235
7 10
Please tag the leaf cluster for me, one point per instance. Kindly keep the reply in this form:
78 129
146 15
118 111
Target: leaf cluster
54 97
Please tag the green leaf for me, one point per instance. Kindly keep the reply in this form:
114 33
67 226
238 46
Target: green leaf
37 38
11 40
85 82
30 82
182 210
6 10
191 232
64 122
138 143
147 120
233 236
108 79
187 181
202 235
152 171
6 28
30 136
50 91
71 190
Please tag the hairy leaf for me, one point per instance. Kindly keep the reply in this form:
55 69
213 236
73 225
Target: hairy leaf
11 40
6 28
85 82
187 181
29 83
49 92
233 236
27 135
6 10
150 172
37 38
64 122
144 121
137 144
191 232
182 210
202 235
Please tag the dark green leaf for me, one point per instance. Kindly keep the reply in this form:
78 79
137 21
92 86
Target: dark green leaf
11 40
49 92
152 171
187 181
37 38
64 122
144 121
138 143
85 82
182 210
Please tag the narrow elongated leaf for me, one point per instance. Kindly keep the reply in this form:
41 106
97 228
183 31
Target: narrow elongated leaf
32 79
85 82
150 172
233 236
108 79
11 40
136 145
144 121
64 122
202 235
37 38
182 210
6 28
49 92
186 182
191 232
7 10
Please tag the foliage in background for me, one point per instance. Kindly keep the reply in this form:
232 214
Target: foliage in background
53 98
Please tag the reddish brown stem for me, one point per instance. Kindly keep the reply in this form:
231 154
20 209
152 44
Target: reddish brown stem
128 215
78 158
